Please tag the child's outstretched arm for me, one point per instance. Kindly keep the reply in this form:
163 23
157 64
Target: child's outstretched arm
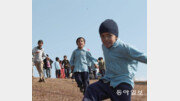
72 61
33 51
136 55
44 55
92 59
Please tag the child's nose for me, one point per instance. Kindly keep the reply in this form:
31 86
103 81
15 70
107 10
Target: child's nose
106 38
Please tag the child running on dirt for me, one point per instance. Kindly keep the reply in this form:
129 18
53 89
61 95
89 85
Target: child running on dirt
39 54
78 62
121 66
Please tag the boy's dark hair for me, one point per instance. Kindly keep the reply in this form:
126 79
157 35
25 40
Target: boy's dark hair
65 56
47 55
100 58
40 41
80 38
57 58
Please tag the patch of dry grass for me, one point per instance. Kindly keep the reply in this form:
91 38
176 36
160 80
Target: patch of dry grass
67 90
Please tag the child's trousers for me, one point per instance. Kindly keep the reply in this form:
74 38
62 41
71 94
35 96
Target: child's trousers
39 66
95 74
67 72
58 73
99 91
48 72
102 72
82 79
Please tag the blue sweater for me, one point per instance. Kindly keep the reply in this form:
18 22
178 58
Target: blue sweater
121 63
80 60
57 66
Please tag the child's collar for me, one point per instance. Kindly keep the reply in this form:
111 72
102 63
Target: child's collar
81 49
115 43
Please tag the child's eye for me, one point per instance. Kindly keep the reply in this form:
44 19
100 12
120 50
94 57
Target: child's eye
109 36
102 36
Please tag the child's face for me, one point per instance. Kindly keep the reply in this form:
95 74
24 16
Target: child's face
65 58
40 44
108 39
80 43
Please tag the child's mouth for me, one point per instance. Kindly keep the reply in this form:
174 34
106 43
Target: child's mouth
108 45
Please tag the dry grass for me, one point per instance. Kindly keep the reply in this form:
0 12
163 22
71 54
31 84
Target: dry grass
66 90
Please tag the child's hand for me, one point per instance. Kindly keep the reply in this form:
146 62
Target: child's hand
37 52
96 65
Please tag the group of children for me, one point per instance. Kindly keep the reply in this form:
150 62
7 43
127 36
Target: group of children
62 68
44 64
120 62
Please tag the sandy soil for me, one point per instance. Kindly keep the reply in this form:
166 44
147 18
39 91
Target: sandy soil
67 90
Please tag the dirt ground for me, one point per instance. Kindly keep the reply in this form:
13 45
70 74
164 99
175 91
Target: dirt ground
67 90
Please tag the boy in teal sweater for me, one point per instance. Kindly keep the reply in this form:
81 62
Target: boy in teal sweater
121 66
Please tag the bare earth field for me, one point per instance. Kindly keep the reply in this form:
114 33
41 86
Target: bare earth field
67 90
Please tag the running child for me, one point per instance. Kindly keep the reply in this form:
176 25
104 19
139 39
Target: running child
79 64
121 66
39 55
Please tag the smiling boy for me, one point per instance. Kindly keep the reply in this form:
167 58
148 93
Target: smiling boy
121 66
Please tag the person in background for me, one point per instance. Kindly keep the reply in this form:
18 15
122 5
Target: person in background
94 70
90 72
39 54
66 65
102 67
47 66
62 70
89 63
57 68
